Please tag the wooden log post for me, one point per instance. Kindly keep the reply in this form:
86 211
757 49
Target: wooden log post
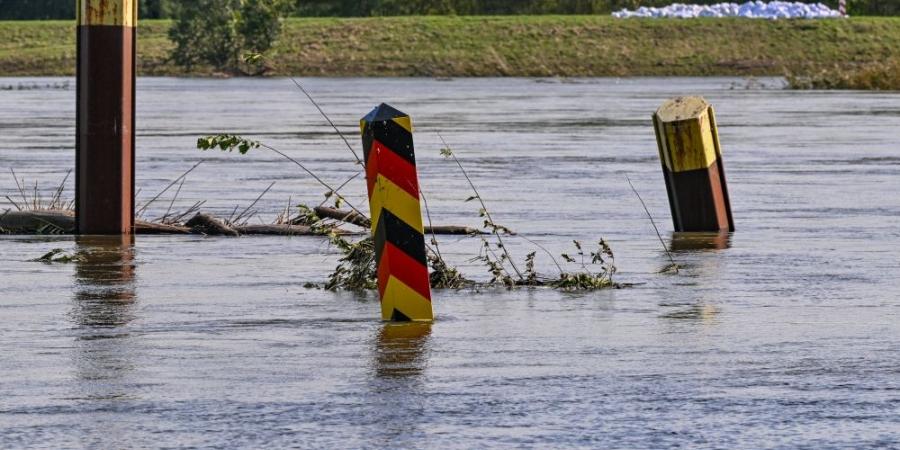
692 165
104 149
397 229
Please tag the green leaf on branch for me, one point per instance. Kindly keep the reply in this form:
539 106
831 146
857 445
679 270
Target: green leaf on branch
227 143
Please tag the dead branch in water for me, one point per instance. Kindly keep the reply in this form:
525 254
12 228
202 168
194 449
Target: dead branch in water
673 265
228 143
246 214
208 224
175 181
353 218
330 122
63 222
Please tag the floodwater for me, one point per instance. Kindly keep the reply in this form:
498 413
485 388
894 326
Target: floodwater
785 334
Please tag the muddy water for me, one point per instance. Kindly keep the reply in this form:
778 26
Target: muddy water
784 335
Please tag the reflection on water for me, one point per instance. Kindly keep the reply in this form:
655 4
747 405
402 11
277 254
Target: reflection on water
699 312
103 306
703 270
396 389
104 281
401 349
682 242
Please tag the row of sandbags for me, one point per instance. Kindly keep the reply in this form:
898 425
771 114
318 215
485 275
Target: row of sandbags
753 10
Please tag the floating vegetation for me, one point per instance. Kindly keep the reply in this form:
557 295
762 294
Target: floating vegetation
356 269
585 279
503 269
58 255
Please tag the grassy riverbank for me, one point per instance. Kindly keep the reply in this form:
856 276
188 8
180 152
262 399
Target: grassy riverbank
508 46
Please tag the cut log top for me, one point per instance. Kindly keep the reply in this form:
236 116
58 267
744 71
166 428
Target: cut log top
682 108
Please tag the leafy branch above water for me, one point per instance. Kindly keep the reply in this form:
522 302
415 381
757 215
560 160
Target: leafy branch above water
356 269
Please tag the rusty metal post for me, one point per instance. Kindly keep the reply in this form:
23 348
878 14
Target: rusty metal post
104 148
692 165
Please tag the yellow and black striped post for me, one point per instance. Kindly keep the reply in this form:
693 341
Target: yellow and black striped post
397 229
692 165
104 148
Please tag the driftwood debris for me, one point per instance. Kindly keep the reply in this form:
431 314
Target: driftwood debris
63 222
141 227
204 223
31 222
351 217
275 230
451 230
354 218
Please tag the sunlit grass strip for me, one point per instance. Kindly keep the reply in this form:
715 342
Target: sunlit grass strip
539 46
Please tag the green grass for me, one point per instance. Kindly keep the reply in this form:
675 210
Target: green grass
508 46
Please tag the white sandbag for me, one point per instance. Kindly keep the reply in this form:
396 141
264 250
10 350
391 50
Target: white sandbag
752 10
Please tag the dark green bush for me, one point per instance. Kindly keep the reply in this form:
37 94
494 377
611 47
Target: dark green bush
221 33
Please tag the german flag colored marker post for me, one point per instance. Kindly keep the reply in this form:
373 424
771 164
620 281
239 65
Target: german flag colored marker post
692 165
104 148
397 229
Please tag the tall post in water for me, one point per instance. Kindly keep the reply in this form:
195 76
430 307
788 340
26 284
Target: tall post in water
104 149
397 229
692 165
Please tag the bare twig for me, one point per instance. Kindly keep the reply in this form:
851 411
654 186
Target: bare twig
175 197
437 247
56 200
284 215
330 122
241 215
342 186
231 216
316 177
19 186
559 267
483 208
193 209
141 210
652 222
13 202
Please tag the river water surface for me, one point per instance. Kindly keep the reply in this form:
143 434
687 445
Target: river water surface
785 334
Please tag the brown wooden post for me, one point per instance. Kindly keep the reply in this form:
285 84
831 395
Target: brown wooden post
104 148
692 165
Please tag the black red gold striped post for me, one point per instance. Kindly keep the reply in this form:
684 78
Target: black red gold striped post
397 228
692 165
104 149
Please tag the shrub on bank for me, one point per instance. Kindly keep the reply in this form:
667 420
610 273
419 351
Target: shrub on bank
159 9
884 76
